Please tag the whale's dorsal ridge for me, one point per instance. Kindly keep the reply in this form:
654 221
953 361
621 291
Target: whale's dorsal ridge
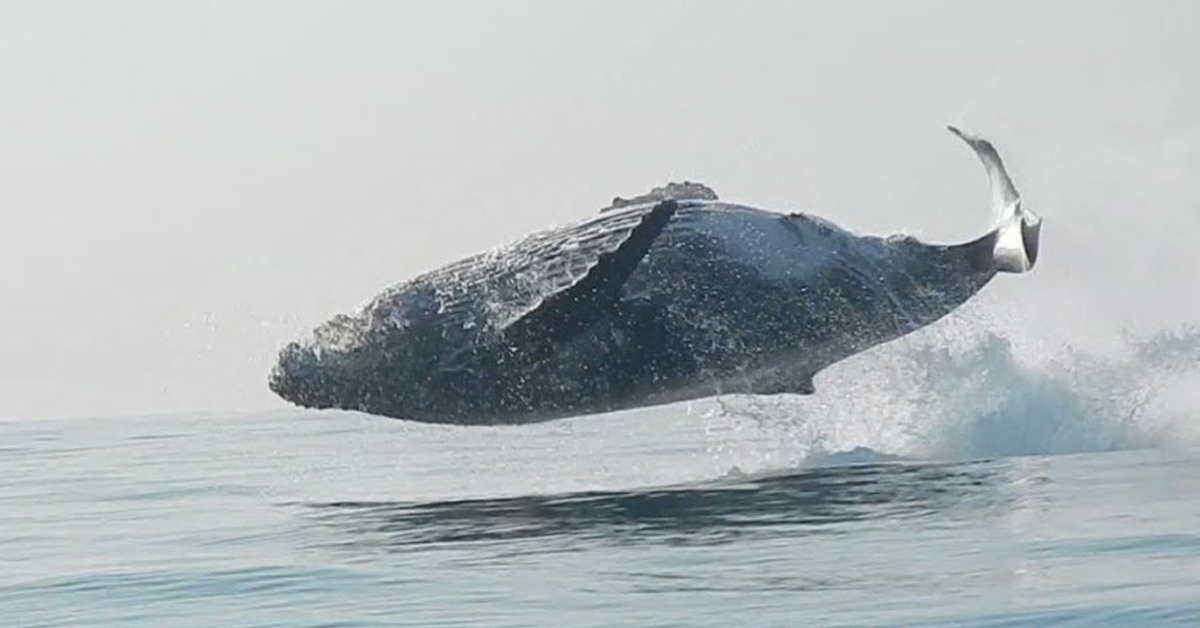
673 191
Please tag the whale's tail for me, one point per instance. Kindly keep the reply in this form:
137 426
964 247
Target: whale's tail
1013 241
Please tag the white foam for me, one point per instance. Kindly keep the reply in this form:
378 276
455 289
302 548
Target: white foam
973 396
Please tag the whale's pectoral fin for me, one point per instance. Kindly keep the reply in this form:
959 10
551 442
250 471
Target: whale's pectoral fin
568 310
524 297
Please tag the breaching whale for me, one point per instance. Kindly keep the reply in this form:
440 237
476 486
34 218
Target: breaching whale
671 296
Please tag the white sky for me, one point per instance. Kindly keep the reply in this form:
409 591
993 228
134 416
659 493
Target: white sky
185 186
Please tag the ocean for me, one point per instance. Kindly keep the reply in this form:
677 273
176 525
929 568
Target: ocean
976 492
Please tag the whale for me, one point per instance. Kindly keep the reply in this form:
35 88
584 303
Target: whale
670 296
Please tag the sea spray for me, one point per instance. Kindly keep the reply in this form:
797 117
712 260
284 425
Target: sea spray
967 397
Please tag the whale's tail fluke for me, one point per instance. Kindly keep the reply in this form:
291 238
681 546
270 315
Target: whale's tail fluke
1014 236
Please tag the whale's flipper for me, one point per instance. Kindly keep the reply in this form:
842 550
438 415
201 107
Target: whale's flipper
545 287
563 313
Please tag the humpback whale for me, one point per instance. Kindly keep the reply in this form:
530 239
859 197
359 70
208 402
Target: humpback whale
670 296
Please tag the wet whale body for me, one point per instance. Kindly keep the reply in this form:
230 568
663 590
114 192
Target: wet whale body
671 296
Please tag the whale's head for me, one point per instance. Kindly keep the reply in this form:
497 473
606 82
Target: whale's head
299 377
378 360
313 373
344 363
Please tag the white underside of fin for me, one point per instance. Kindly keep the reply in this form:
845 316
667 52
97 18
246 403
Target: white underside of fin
1015 250
1017 229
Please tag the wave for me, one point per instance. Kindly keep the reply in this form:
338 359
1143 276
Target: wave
972 398
987 403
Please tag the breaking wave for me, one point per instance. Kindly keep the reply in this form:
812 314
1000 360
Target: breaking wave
969 399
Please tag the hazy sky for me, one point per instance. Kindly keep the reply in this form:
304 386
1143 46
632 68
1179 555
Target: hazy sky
186 186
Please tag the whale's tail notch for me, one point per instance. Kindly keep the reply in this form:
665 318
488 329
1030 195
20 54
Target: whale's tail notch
1014 237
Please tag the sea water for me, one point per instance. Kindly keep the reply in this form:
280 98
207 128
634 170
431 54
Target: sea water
952 487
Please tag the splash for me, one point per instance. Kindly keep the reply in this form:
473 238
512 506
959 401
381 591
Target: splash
986 403
973 397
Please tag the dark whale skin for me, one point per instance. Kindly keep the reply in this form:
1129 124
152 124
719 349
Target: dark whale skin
644 304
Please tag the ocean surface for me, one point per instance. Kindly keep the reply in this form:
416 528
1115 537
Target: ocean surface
975 492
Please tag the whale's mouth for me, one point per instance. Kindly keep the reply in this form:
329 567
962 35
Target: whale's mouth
299 377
